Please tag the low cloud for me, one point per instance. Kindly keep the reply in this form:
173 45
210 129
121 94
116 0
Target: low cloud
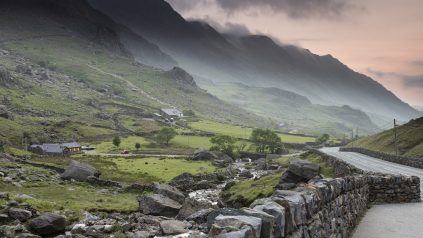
408 81
417 62
299 9
226 28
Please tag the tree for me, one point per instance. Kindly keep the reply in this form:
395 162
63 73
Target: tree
137 146
266 139
224 144
116 141
323 138
165 135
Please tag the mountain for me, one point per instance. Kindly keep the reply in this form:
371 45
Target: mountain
66 73
295 113
409 139
253 60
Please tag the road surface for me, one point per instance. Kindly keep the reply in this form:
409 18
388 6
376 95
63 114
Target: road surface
390 220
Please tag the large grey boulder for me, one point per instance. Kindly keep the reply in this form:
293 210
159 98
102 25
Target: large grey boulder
173 227
48 224
295 204
204 155
19 214
79 171
236 223
267 221
223 161
274 209
159 205
244 233
200 216
304 169
168 191
191 206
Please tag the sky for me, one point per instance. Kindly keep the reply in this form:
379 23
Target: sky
380 38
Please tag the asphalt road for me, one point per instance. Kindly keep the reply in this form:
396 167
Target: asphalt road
368 163
389 220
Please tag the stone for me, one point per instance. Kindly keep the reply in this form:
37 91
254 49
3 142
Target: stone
24 69
274 209
79 172
267 224
304 169
95 232
157 204
237 223
173 227
4 218
169 191
139 234
4 195
48 224
246 174
203 155
223 161
19 214
27 235
200 216
244 233
191 206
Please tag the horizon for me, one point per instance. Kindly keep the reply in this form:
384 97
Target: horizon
392 56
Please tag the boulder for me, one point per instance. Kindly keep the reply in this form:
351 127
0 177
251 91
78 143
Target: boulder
200 216
244 233
236 223
157 204
79 171
4 195
267 221
169 191
4 112
246 174
295 206
304 169
19 214
173 227
274 209
191 206
203 155
24 69
223 161
187 182
48 224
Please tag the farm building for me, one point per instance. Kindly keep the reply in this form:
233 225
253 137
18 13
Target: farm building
56 149
171 113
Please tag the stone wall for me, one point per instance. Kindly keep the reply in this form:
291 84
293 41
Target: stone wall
413 162
393 189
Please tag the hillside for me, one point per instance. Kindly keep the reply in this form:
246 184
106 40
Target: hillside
294 112
254 60
409 138
67 75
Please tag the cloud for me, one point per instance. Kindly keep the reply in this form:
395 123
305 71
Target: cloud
417 62
408 81
229 28
293 8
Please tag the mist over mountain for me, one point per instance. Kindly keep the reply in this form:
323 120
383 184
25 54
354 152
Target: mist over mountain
253 60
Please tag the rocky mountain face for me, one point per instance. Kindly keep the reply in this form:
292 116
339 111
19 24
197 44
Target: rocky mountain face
253 60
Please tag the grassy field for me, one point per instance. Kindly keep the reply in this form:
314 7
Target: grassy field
409 139
243 132
245 192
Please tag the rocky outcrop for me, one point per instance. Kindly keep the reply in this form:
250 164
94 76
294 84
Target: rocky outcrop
181 76
48 224
223 161
203 155
156 204
299 171
173 227
19 214
187 182
168 191
79 172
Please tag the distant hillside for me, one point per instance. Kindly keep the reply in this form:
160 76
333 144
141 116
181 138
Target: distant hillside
65 74
254 60
295 112
409 138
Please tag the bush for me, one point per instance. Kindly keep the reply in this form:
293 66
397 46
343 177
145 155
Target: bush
165 135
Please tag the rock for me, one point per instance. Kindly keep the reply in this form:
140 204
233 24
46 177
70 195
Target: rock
44 75
48 224
27 235
139 234
203 155
173 227
267 221
223 161
4 218
187 182
181 76
239 223
200 216
304 169
169 191
79 171
79 229
274 209
244 233
191 206
157 204
296 204
95 232
246 174
4 195
24 69
19 214
223 211
4 113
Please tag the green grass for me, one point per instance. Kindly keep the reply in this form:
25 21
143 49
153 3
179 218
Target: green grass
127 143
50 197
17 152
243 132
409 139
196 142
245 192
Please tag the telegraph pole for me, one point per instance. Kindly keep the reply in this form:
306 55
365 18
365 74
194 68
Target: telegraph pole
352 138
395 137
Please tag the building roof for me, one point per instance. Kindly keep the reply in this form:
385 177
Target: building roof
172 112
56 148
71 145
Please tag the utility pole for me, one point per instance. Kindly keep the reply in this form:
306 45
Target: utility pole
395 137
352 138
356 134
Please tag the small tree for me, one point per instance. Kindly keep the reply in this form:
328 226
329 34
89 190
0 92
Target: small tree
165 135
323 138
224 144
116 141
266 140
137 146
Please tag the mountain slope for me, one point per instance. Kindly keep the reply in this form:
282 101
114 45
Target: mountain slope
65 74
253 60
409 139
